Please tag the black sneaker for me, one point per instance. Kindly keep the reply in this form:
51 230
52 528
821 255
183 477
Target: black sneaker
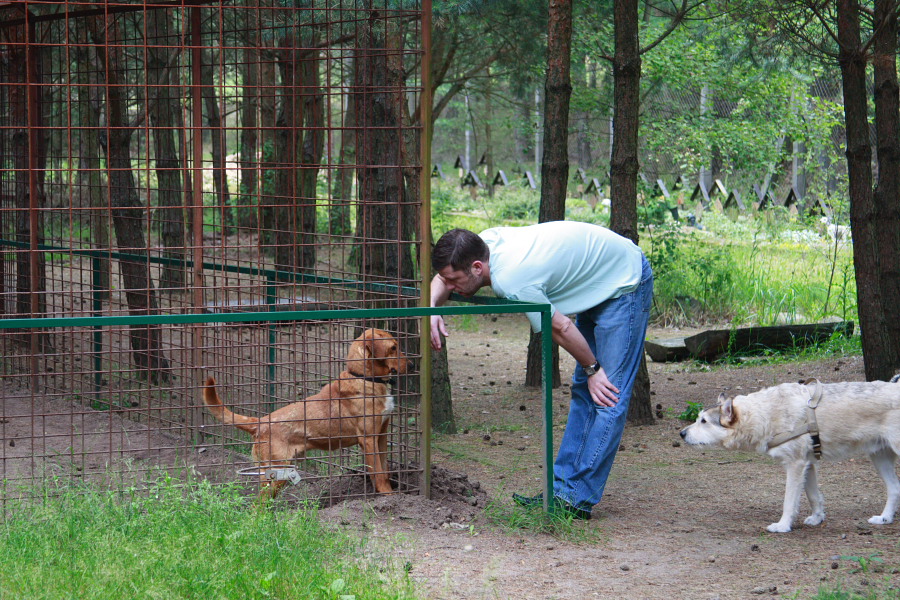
558 506
529 501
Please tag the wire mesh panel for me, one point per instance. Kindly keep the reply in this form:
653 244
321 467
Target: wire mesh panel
190 157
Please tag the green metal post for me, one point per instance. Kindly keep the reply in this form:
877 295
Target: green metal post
425 249
270 385
547 351
98 332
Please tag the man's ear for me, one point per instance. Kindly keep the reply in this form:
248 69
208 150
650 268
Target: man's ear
477 267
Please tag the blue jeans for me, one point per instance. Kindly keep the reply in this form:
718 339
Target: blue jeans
615 331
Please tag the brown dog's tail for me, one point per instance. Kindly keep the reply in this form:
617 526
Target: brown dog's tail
218 410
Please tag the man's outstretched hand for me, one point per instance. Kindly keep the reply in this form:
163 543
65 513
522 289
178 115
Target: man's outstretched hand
438 328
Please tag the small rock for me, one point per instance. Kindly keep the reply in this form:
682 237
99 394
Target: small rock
625 567
834 565
487 437
711 559
763 589
754 548
468 548
522 406
676 444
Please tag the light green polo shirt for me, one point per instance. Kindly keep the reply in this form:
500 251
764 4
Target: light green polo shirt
570 265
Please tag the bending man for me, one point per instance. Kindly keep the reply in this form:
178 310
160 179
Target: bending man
579 269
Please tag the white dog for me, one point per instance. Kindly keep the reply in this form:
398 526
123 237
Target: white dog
851 419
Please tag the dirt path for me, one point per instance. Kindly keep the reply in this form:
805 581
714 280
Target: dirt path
676 522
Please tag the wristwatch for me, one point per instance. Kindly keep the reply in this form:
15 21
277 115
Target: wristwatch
591 369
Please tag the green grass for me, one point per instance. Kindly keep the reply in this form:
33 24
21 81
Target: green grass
182 541
841 594
535 520
752 272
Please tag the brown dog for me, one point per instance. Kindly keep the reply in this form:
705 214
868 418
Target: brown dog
353 409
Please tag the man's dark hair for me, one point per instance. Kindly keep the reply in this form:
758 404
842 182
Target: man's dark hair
459 248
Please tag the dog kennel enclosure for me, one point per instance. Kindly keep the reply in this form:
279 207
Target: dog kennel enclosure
194 188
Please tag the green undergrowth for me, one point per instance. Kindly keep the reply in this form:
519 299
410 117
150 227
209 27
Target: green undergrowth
182 540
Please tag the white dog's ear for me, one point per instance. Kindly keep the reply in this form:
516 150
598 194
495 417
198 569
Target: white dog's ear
728 416
721 399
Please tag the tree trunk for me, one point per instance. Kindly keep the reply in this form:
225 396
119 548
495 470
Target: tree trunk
555 160
29 157
379 109
488 135
626 115
887 191
128 214
624 163
339 209
268 118
288 145
164 106
217 136
442 418
876 342
310 161
91 179
583 118
248 195
523 133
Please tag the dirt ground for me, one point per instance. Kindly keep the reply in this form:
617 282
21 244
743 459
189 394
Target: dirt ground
675 522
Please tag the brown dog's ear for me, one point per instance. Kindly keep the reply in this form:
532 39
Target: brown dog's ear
729 416
369 346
